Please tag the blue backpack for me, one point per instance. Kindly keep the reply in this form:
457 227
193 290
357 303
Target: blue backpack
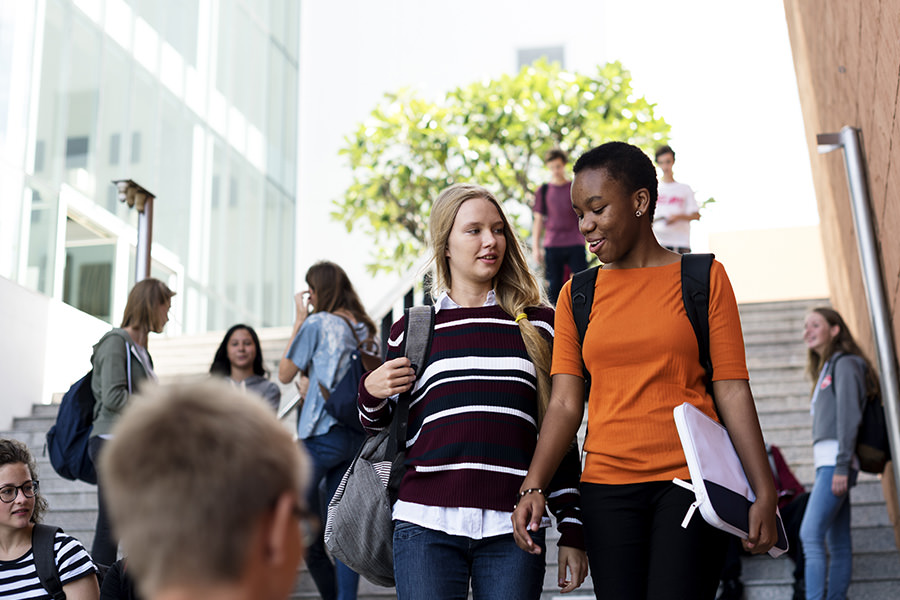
67 440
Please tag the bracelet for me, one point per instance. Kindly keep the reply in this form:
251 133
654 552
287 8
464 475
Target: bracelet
524 493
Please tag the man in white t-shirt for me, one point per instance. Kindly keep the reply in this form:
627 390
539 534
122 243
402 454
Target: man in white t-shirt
675 208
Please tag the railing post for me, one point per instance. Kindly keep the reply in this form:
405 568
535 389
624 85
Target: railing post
854 162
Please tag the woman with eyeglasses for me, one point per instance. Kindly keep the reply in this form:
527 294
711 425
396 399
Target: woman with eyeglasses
21 506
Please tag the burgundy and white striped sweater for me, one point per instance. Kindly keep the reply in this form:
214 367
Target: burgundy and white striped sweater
473 418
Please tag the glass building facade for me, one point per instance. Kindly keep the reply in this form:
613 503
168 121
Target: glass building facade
196 101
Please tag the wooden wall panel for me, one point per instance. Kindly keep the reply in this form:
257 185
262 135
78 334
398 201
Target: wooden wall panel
847 60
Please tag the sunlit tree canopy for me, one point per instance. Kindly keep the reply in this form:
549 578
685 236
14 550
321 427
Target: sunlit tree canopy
493 132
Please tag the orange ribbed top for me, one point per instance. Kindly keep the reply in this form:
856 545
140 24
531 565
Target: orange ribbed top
644 361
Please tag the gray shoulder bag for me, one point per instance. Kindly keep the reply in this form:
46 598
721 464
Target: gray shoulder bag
359 530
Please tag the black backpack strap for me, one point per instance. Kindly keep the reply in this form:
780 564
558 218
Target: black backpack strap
43 538
695 295
582 291
417 333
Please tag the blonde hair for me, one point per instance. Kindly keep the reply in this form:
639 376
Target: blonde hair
144 299
515 286
188 475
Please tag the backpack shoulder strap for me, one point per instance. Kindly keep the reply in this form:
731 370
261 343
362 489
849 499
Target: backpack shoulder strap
695 295
418 329
43 538
417 333
582 291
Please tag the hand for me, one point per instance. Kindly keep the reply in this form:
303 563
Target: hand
393 377
577 562
527 517
763 533
839 484
537 255
301 301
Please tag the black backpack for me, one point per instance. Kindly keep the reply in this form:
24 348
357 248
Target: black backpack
872 445
694 293
43 538
341 402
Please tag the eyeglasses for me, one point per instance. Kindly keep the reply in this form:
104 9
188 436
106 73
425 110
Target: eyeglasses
309 526
8 493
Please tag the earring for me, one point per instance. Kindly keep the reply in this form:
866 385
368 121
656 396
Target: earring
638 214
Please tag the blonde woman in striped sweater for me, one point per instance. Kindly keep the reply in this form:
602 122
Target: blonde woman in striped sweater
474 417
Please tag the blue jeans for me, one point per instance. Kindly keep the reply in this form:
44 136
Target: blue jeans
331 454
433 565
827 522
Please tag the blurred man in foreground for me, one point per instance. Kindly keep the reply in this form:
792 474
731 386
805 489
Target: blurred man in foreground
206 491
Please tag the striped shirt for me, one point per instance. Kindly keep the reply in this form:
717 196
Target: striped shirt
19 579
473 418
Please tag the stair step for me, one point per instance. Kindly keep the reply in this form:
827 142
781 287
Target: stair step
776 359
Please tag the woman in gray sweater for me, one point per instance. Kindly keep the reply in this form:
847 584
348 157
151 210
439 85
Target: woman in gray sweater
121 363
239 360
843 379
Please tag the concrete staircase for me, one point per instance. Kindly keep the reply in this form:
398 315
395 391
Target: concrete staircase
776 358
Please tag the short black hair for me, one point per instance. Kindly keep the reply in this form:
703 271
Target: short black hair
667 149
555 153
627 164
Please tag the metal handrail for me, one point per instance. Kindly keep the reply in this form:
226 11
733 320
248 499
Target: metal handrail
854 161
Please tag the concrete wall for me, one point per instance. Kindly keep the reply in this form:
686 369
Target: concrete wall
48 347
773 264
847 61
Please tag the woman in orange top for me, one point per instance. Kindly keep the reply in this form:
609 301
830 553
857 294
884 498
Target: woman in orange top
642 355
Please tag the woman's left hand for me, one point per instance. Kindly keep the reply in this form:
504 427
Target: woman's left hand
839 484
763 533
577 563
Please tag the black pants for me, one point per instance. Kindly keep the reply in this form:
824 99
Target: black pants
555 261
792 516
637 548
105 546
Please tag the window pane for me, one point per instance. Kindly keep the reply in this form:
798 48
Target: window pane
40 269
112 162
82 94
172 207
48 137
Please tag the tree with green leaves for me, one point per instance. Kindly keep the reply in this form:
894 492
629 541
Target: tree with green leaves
493 133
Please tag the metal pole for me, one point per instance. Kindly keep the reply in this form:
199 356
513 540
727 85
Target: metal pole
854 161
144 239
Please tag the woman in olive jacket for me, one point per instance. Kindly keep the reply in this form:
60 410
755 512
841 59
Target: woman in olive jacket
121 363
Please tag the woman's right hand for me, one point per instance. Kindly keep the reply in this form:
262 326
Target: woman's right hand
526 518
301 301
393 377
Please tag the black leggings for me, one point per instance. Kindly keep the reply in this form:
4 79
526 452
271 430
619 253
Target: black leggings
637 548
105 546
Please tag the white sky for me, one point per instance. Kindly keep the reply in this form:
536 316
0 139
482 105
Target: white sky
721 74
